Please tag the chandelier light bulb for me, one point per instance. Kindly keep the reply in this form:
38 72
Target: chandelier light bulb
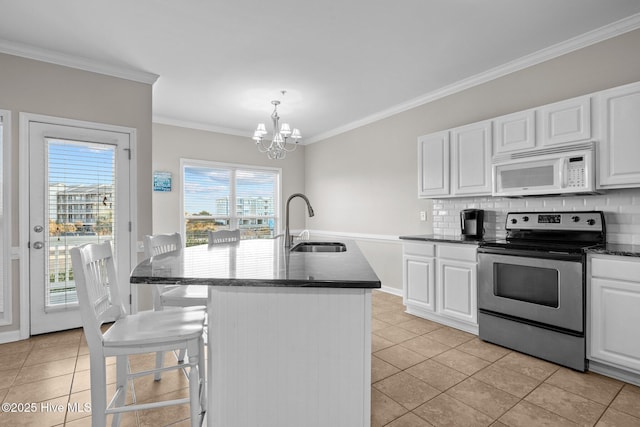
285 130
296 134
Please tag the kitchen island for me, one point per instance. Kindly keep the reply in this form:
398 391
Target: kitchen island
289 338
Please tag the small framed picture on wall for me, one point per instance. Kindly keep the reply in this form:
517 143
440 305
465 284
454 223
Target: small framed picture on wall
161 181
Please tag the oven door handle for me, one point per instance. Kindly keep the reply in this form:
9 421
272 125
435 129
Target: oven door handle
561 256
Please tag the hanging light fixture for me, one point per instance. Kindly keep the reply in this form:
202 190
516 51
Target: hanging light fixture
279 145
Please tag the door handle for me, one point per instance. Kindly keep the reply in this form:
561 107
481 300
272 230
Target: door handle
38 245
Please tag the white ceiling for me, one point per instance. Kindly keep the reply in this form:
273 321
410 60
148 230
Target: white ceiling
343 62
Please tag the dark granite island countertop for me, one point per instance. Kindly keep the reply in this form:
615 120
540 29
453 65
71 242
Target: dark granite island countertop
258 262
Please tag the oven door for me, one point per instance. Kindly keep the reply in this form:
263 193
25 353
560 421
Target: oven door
536 289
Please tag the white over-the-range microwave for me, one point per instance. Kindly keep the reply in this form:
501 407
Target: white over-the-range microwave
565 169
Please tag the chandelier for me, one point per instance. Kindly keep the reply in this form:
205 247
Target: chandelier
280 144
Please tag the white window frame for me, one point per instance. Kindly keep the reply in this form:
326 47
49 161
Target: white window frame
6 315
232 194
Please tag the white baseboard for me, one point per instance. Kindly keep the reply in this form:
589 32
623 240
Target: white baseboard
9 336
392 291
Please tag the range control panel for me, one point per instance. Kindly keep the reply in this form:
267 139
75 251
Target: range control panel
587 220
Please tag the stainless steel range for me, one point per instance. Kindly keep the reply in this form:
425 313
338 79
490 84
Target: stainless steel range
531 285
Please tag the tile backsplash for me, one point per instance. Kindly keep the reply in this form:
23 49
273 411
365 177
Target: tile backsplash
621 210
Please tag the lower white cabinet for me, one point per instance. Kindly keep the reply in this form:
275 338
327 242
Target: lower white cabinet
614 311
418 271
440 283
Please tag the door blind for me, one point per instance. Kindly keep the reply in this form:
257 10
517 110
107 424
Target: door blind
81 209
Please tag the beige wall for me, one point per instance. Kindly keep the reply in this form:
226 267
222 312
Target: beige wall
365 181
172 143
42 88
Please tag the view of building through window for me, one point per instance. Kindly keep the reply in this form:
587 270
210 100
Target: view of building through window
220 197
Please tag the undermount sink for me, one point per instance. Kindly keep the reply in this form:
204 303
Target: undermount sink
319 247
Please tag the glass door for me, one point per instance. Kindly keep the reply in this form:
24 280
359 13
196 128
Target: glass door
78 195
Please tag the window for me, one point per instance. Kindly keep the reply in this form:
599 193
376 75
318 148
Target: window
5 225
218 196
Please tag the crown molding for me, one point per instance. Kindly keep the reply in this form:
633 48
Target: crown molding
59 58
164 120
587 39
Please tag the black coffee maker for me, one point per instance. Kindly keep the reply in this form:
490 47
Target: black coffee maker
472 223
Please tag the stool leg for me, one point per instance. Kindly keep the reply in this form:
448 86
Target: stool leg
98 374
159 365
122 372
193 348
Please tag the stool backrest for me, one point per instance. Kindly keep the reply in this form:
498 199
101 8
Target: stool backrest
223 236
94 272
159 244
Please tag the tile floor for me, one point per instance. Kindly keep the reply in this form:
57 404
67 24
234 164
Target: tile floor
423 374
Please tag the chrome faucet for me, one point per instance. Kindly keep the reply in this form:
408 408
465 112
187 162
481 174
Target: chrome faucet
288 238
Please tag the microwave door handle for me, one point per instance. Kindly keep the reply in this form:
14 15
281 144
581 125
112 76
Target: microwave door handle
564 171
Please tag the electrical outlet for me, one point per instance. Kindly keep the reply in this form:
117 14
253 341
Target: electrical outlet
423 216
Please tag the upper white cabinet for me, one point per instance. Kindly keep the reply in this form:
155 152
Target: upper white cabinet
514 132
433 164
471 170
455 162
566 121
618 112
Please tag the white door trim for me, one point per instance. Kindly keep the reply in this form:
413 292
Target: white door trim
23 202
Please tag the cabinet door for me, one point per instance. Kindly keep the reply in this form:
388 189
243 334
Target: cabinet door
433 165
472 159
457 290
514 132
614 320
566 121
419 281
619 120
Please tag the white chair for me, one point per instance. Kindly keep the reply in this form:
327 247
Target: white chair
147 332
223 236
171 295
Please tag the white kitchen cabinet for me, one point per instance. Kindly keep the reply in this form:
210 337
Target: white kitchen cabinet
618 112
566 121
440 283
433 165
514 132
457 283
471 147
418 273
614 311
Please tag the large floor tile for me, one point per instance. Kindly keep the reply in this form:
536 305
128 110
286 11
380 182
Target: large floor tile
42 390
420 326
614 418
484 350
461 361
45 370
527 365
450 336
425 346
447 411
381 369
507 380
400 357
526 414
436 374
407 390
481 396
628 401
395 334
586 384
384 409
566 404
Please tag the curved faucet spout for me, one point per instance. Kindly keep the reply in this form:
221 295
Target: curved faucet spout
288 240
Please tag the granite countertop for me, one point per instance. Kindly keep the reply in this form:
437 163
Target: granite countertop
258 262
616 249
442 238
